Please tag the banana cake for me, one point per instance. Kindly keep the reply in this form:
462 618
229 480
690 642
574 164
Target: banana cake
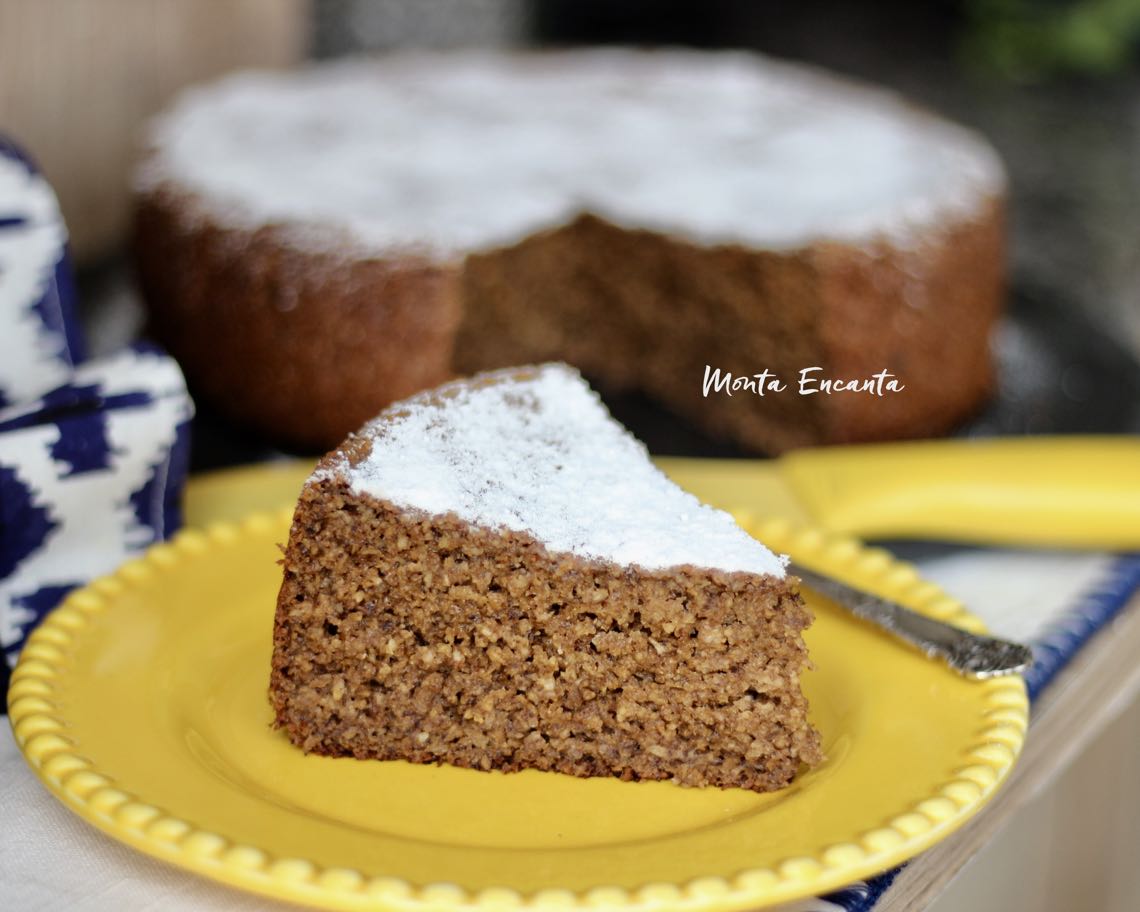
494 575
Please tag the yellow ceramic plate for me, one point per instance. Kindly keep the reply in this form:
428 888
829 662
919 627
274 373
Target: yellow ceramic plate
141 703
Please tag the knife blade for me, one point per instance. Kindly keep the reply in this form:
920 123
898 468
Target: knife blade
970 654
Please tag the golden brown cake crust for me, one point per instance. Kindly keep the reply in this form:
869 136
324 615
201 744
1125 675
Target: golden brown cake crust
926 314
424 638
302 346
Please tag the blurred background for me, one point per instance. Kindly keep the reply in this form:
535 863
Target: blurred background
1053 83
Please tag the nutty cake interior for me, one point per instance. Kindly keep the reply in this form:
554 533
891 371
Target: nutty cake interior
494 575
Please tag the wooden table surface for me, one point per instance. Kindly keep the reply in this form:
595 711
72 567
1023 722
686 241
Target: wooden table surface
1075 709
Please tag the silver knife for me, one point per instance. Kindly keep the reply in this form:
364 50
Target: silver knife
967 653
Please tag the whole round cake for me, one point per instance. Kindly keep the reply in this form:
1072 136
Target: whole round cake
706 227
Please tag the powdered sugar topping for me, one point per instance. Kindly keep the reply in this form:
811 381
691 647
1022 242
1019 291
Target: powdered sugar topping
537 452
472 150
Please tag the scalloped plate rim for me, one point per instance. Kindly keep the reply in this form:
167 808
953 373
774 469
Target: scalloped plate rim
60 765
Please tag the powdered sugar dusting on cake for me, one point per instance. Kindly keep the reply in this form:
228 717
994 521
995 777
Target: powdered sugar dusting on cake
472 150
537 452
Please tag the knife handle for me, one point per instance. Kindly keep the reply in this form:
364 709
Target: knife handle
1078 492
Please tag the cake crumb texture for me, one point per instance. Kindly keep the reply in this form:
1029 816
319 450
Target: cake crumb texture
426 640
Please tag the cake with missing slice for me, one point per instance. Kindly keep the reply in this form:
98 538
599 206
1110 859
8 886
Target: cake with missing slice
494 575
314 245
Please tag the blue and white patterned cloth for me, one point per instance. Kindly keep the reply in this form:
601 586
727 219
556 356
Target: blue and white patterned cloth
90 473
93 455
39 334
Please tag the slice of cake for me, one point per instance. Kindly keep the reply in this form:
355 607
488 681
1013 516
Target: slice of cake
494 575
